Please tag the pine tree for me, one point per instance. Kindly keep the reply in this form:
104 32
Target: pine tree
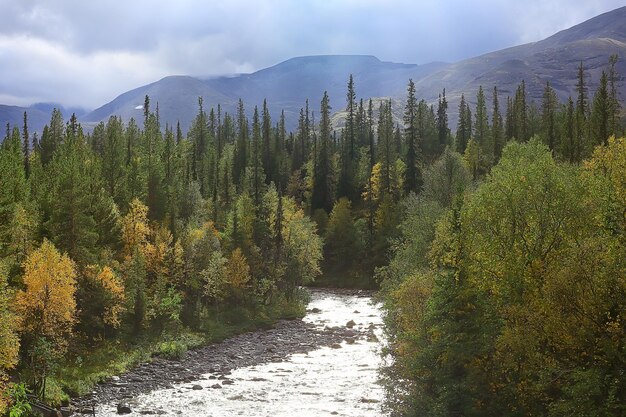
52 137
548 117
615 107
13 184
520 113
569 132
386 148
321 197
241 149
346 186
26 147
412 176
497 135
268 152
442 121
255 157
601 113
463 130
113 161
481 129
580 144
71 224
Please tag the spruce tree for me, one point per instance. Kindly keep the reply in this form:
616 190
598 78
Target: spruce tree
548 117
411 174
268 152
386 148
601 113
321 197
481 129
614 104
442 121
497 135
26 147
580 143
256 163
241 149
462 128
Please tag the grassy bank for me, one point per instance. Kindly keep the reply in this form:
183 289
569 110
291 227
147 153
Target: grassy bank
87 366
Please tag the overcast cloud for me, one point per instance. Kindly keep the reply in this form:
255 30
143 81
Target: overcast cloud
86 52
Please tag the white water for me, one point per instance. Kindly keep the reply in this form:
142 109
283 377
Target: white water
324 382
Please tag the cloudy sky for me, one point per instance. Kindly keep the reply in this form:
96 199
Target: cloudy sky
86 52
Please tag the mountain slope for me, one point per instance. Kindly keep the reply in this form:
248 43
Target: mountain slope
286 86
553 59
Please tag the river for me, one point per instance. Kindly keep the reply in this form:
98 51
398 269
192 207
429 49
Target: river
336 380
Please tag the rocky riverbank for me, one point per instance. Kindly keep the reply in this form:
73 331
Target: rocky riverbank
288 337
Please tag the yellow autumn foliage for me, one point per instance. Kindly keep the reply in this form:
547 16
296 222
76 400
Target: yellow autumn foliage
9 342
47 307
135 227
238 270
115 291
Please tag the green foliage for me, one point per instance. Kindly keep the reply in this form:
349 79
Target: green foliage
343 240
517 312
20 406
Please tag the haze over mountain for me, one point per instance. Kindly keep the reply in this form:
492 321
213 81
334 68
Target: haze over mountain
287 85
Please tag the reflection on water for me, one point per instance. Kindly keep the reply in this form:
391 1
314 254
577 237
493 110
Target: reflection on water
325 382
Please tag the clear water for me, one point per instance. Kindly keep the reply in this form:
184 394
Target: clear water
325 382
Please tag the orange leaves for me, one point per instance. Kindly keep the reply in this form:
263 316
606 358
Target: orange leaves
47 307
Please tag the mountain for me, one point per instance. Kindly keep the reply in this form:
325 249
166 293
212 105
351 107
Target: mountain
287 85
38 115
555 59
14 115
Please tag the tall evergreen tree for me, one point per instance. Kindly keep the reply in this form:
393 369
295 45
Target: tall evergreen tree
256 163
52 137
581 130
26 146
321 197
386 148
614 104
241 149
600 123
548 117
442 121
497 134
520 113
569 132
481 129
268 152
410 134
463 129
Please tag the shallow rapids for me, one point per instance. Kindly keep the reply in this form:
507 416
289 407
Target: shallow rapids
341 380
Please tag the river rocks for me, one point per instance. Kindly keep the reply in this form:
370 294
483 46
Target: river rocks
369 401
197 387
372 338
123 408
214 362
315 310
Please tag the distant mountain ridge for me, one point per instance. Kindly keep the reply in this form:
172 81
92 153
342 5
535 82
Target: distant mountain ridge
287 85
